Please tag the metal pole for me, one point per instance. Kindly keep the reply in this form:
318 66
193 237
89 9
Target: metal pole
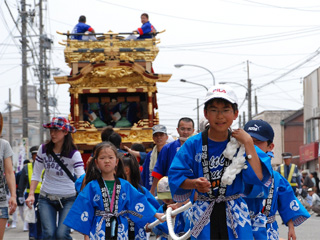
10 118
181 65
256 104
198 115
47 118
239 121
249 94
244 118
185 81
24 70
249 100
41 90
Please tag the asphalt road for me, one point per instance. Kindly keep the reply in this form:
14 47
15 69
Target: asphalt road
309 230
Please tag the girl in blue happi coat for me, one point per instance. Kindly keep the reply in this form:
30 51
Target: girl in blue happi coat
131 169
102 208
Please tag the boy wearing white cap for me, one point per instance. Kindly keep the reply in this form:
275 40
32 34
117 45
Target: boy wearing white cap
211 164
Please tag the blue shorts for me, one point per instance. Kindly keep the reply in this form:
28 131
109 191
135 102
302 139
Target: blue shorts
4 212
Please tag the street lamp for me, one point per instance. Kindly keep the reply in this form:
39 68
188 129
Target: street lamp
249 95
191 65
185 81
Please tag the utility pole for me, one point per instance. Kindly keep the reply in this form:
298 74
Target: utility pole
24 95
10 118
41 67
46 79
249 93
256 103
198 120
244 118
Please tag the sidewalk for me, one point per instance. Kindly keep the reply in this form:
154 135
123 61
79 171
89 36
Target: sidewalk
18 233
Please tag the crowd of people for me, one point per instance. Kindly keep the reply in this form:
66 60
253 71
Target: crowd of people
226 175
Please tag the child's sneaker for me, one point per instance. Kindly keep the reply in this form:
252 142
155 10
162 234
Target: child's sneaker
26 227
14 225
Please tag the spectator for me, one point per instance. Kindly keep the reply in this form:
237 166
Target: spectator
6 176
315 181
57 192
185 129
20 204
35 230
116 140
307 182
159 135
106 133
139 151
315 201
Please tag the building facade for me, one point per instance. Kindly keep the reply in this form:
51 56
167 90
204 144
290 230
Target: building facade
309 152
17 123
275 119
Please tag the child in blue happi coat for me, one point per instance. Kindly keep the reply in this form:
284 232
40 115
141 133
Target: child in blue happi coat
103 206
213 164
280 198
163 193
131 169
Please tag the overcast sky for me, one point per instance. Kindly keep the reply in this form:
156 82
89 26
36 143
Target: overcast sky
276 37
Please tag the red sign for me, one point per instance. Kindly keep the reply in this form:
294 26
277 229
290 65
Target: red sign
308 152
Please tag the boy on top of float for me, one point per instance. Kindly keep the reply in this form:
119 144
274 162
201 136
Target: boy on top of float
213 164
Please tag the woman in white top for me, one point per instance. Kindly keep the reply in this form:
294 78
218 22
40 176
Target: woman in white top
57 192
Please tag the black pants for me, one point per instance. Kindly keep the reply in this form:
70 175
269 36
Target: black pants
218 222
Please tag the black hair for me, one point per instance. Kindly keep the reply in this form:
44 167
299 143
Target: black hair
93 172
138 147
67 147
26 161
145 14
106 133
269 142
130 161
34 148
115 139
221 100
82 18
186 119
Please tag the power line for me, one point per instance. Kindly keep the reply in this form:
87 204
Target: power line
245 41
192 19
281 7
316 53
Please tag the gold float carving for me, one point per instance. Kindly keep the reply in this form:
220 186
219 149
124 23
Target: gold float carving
87 137
128 136
147 56
113 73
112 78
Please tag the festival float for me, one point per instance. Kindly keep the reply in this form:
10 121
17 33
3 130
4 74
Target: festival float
112 83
